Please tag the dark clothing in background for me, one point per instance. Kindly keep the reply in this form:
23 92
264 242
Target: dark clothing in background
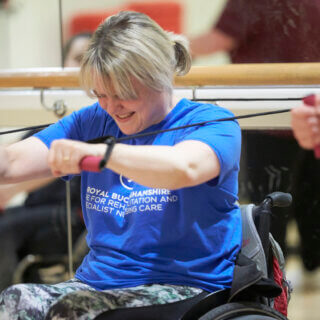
54 192
39 229
273 31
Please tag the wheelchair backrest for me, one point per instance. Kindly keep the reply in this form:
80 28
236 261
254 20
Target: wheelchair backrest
251 242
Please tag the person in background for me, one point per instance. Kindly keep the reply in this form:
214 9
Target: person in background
270 31
158 194
32 227
74 49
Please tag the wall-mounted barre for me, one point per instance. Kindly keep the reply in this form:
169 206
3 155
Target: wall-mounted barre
21 90
218 75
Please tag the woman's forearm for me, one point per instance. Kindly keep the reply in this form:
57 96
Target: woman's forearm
150 166
7 192
172 167
24 160
168 167
29 186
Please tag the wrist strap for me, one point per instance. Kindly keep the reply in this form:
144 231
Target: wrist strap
110 142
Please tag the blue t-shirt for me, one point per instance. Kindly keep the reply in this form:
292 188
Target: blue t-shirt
140 235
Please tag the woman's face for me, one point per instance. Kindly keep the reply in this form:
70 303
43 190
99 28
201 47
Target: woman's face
133 116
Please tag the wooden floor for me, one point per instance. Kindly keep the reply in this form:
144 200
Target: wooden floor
305 299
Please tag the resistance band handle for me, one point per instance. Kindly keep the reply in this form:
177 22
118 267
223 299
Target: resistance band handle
311 101
96 164
90 163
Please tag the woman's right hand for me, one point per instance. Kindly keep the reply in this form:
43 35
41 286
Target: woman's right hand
65 155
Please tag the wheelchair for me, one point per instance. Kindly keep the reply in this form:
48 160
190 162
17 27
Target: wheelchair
50 268
259 290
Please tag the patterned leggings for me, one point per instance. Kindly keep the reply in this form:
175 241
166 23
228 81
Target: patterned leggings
77 300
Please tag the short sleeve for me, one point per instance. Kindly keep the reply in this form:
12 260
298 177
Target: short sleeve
71 126
223 137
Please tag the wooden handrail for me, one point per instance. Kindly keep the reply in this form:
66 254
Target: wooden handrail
227 75
40 78
253 75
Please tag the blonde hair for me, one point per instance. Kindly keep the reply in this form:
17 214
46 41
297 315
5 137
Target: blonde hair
130 44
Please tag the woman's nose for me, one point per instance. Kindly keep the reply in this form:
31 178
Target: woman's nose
110 104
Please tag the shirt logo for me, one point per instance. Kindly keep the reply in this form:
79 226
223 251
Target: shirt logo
126 183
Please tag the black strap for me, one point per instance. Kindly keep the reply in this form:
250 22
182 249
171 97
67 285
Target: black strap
139 135
110 141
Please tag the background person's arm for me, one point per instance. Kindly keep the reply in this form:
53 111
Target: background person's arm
211 42
232 28
7 192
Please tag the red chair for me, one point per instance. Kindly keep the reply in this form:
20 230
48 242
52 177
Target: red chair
168 14
87 21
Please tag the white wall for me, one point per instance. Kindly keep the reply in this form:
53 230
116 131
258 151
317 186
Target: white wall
30 32
4 40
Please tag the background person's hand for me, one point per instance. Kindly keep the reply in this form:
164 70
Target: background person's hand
305 121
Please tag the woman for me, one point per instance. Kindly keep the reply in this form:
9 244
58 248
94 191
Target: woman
162 219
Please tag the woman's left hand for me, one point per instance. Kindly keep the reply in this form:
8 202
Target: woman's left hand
65 155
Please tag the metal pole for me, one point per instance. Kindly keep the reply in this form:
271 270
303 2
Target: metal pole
69 230
61 32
